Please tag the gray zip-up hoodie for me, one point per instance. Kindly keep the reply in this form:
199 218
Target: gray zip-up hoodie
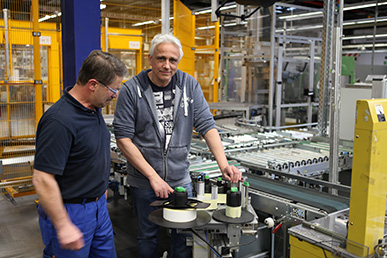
136 118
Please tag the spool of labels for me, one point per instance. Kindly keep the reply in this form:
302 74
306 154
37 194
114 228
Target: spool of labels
179 215
233 203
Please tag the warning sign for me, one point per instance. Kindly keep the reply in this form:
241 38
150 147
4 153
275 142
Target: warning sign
380 112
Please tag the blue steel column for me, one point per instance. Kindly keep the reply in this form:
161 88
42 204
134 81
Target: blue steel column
81 33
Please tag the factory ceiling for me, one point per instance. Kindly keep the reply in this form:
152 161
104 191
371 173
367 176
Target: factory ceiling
128 13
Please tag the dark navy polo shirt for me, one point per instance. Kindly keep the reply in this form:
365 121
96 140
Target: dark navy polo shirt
73 143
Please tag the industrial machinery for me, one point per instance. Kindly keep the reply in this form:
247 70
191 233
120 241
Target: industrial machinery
361 230
278 203
286 172
218 225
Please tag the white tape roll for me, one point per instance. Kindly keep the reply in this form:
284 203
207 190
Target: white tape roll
233 212
179 216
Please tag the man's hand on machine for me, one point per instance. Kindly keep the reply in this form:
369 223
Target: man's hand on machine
231 174
160 187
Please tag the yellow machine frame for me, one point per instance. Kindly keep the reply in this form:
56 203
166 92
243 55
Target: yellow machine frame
369 176
368 188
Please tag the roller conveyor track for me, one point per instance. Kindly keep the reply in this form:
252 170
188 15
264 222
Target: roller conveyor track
284 156
321 200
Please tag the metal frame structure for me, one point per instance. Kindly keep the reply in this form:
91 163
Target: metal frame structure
282 41
279 39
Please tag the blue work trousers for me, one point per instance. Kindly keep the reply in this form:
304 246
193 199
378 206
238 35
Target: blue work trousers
148 231
93 220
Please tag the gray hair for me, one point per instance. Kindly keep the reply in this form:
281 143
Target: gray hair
165 38
102 66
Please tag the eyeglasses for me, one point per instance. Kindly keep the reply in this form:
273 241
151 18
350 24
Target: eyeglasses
115 91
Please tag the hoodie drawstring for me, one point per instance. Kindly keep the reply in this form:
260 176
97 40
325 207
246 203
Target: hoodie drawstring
185 100
139 91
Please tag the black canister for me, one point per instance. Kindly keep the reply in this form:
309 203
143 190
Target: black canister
233 197
233 203
179 197
207 184
220 185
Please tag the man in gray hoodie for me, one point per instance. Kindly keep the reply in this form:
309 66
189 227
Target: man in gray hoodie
153 124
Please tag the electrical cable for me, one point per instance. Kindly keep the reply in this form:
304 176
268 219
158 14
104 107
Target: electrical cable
244 244
205 233
206 241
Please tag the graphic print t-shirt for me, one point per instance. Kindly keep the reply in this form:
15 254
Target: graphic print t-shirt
165 100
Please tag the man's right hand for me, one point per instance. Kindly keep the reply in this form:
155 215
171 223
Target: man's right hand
70 237
161 188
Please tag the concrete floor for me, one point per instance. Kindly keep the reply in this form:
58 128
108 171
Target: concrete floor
20 233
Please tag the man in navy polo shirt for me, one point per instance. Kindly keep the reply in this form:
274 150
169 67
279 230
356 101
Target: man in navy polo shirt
72 163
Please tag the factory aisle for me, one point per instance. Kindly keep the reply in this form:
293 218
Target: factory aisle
19 228
20 234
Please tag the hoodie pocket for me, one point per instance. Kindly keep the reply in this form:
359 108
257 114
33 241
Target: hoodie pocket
177 164
154 156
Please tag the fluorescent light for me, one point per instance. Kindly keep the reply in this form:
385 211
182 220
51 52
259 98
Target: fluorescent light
364 21
365 45
225 25
234 24
346 8
221 9
57 14
360 6
149 22
205 28
47 17
313 27
143 23
301 15
365 36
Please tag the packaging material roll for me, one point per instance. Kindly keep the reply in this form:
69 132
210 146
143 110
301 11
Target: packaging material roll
179 215
233 212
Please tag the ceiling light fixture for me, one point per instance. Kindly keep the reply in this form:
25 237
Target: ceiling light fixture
301 15
149 22
221 9
365 21
364 5
47 17
58 14
196 13
225 25
319 13
360 46
365 36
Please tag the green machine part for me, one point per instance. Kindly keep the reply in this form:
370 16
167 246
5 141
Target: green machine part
348 67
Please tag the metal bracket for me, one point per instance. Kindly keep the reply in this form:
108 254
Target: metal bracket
1 167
